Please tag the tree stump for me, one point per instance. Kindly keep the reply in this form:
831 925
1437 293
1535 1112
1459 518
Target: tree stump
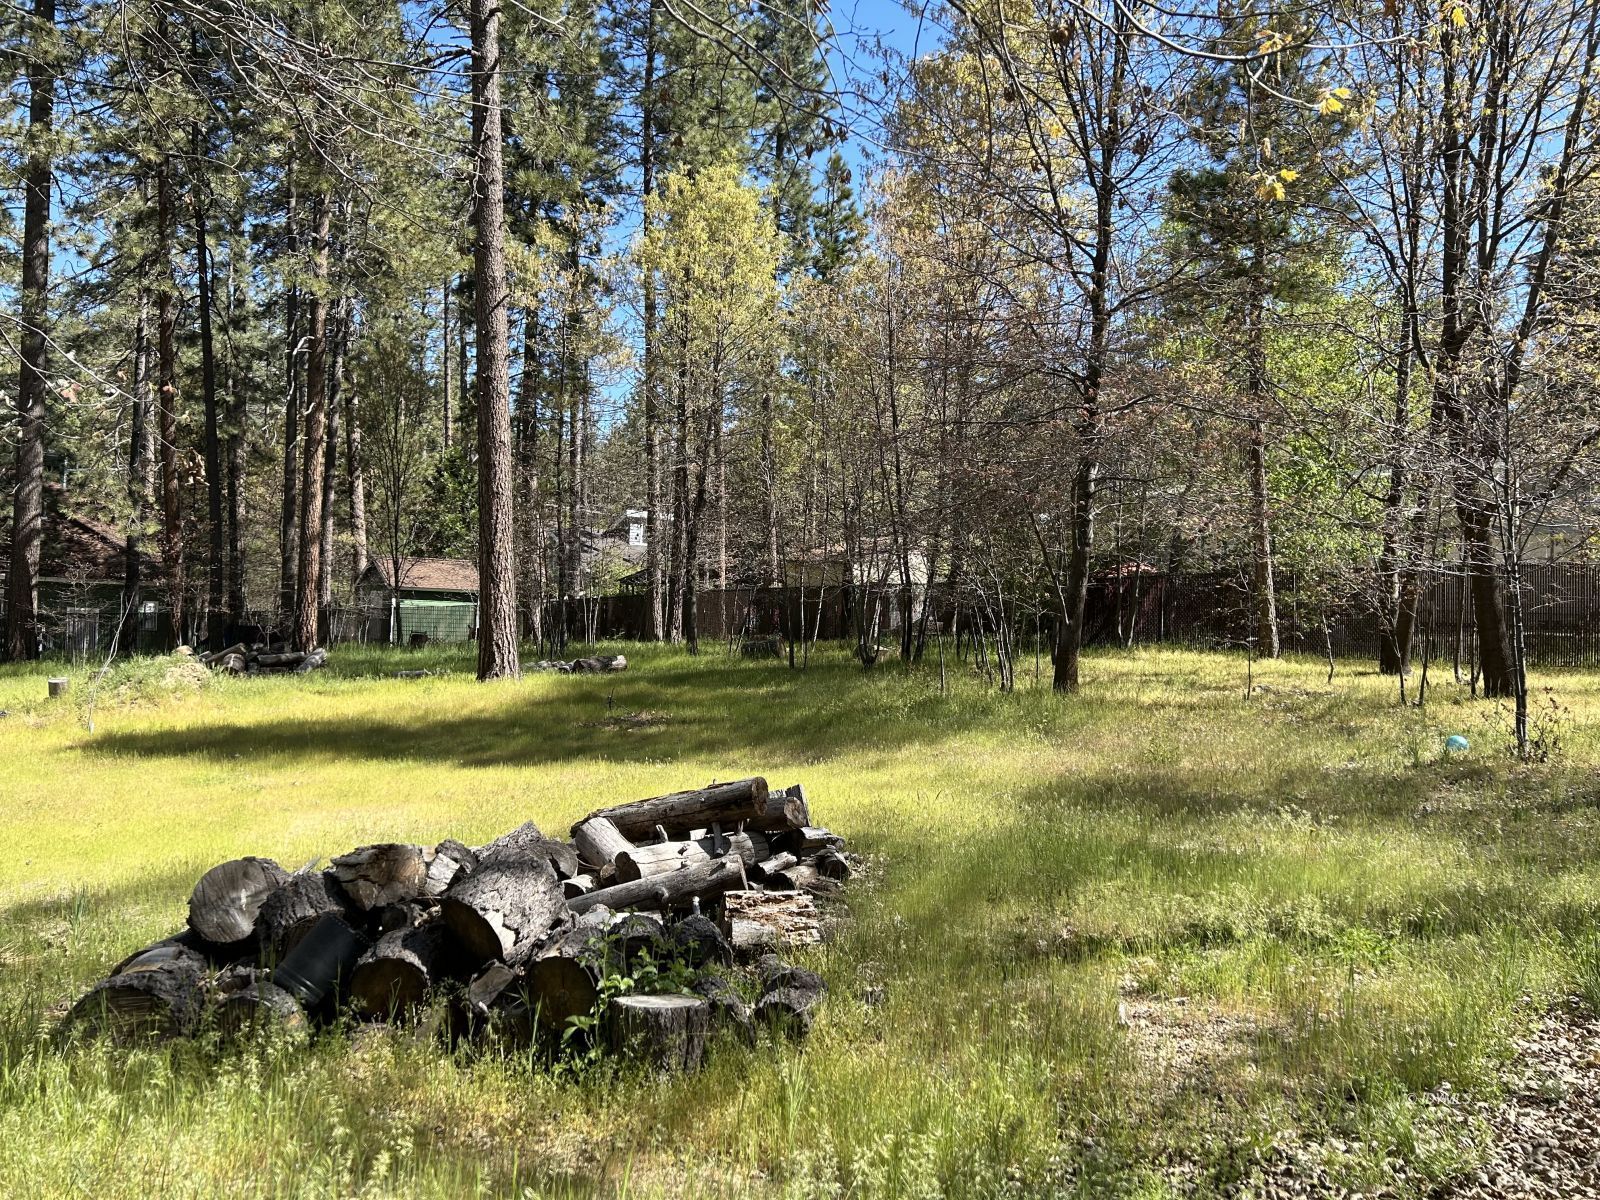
667 1031
509 905
224 904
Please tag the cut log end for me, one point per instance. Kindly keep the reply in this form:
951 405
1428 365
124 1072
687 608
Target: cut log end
225 902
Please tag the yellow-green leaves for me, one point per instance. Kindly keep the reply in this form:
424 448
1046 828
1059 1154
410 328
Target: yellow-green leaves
1333 101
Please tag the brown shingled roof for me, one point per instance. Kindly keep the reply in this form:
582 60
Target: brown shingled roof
429 574
80 546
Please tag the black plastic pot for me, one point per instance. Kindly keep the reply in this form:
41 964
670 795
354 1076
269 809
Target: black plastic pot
321 961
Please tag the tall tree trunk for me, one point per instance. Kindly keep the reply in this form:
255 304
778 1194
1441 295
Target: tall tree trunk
216 534
683 566
1265 585
313 435
138 479
355 477
497 578
1474 509
1265 588
330 463
172 557
444 360
650 384
527 449
235 436
289 515
27 509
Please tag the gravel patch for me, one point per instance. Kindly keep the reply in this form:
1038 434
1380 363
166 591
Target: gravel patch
1543 1134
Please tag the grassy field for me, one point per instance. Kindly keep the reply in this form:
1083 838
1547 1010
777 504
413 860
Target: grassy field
1131 937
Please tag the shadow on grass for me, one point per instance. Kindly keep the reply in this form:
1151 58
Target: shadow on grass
705 709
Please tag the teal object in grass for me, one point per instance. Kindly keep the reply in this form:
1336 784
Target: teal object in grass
1456 744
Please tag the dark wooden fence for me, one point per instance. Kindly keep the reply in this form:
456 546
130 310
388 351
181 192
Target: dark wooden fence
1561 611
1204 609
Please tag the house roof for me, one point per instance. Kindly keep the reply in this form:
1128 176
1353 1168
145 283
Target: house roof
79 546
428 574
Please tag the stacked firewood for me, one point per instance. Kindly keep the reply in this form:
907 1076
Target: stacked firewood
265 659
531 936
605 664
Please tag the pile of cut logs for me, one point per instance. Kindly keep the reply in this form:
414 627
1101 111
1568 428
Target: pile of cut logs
691 896
605 664
265 659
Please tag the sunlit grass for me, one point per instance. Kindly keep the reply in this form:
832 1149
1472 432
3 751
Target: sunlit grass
1339 917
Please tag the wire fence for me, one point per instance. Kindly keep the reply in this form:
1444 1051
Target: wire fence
1561 608
1211 609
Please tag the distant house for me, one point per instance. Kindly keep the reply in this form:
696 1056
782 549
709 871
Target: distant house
435 600
83 565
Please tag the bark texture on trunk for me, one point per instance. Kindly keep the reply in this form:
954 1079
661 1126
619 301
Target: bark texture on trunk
27 508
216 533
172 556
497 578
312 449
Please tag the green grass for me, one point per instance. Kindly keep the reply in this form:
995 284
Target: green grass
1153 926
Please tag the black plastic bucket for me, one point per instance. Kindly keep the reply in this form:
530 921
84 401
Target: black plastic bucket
321 961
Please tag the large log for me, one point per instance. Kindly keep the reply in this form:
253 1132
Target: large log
802 877
288 914
786 809
777 863
672 890
510 904
392 979
604 664
285 661
388 873
667 1031
238 648
184 942
157 995
831 864
598 841
225 902
316 659
808 839
757 922
643 861
564 981
563 859
728 804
